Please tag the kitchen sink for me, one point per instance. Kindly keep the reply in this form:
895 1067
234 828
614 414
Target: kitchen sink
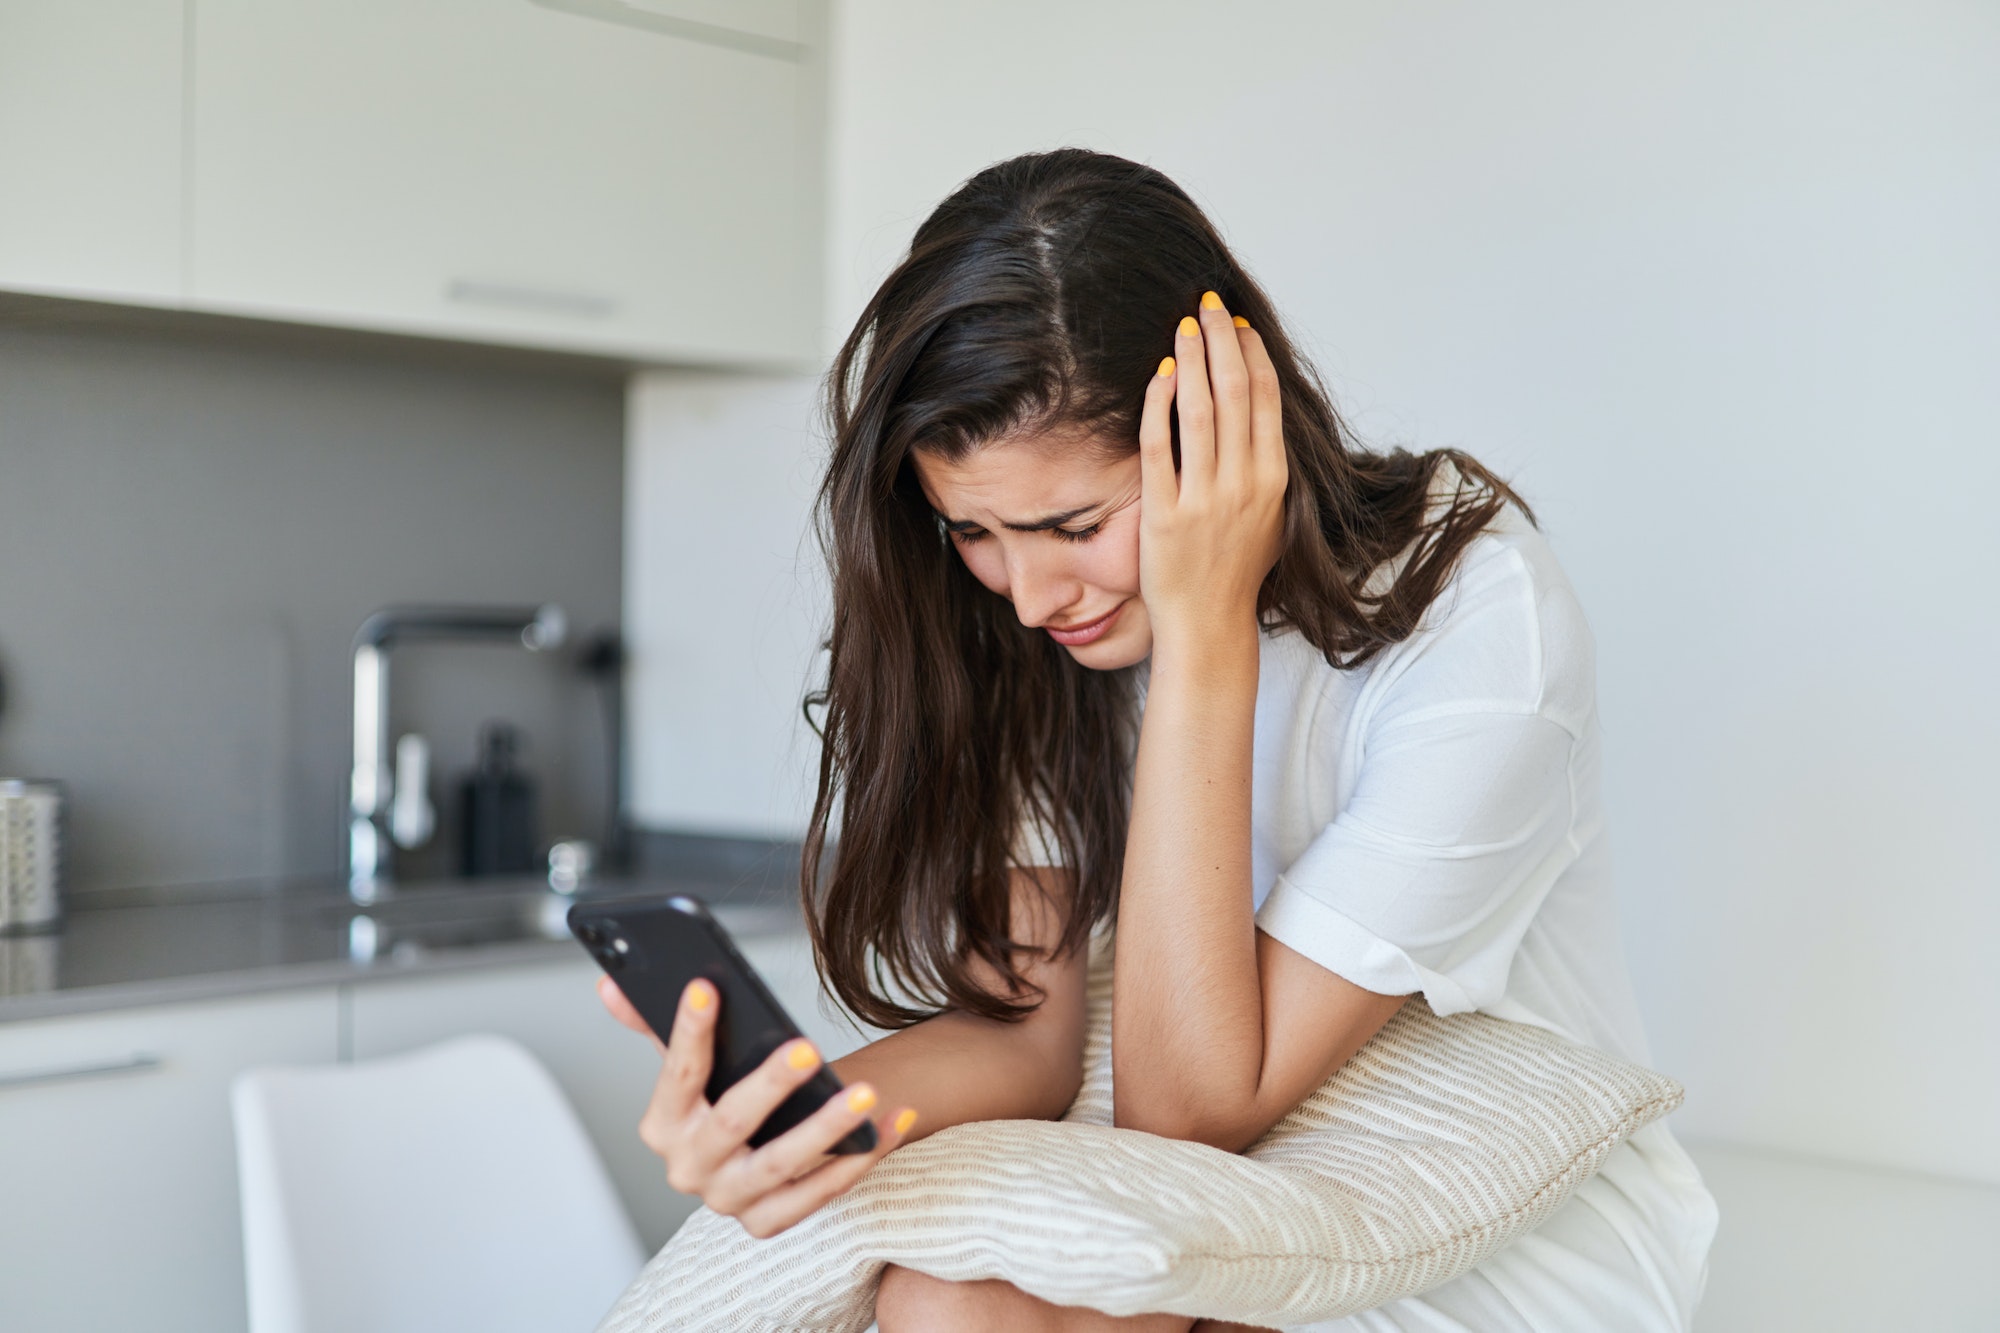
431 918
425 920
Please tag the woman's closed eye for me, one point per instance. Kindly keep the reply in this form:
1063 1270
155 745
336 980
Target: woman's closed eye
967 536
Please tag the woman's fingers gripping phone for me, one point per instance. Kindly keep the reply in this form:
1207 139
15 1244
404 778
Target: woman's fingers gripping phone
785 1187
723 1132
691 1047
678 1102
748 1177
706 1147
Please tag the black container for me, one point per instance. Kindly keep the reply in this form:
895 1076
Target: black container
497 810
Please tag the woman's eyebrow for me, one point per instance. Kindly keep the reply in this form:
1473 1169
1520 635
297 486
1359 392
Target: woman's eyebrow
1039 525
1054 520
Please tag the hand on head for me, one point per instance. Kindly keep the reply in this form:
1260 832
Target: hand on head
1212 529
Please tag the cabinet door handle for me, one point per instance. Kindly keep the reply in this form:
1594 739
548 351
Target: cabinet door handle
542 300
137 1062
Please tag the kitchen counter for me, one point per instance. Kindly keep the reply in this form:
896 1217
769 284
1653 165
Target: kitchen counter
138 947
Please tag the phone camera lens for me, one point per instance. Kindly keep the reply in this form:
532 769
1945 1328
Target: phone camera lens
590 935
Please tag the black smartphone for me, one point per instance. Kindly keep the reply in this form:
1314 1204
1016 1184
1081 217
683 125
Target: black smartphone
653 947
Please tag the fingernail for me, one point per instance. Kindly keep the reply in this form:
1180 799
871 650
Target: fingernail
1190 329
1239 321
802 1055
699 997
860 1098
907 1118
1166 367
1210 301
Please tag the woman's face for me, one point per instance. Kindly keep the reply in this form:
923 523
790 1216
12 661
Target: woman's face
1051 523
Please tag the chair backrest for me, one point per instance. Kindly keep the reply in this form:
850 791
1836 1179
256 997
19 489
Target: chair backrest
451 1187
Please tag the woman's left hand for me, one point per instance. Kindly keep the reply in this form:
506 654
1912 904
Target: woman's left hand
1209 534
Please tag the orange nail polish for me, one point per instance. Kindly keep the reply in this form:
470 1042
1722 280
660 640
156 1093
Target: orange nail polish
1166 367
1239 322
700 997
1210 301
860 1098
1190 329
802 1056
903 1121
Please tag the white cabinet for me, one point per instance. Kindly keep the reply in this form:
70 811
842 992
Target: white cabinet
559 174
118 1203
630 178
90 148
607 1072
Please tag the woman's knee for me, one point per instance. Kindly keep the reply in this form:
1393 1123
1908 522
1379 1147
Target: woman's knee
913 1302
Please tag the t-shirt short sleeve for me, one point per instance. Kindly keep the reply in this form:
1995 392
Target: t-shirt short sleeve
1462 813
1427 880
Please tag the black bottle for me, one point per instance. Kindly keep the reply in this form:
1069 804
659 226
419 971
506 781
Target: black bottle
497 810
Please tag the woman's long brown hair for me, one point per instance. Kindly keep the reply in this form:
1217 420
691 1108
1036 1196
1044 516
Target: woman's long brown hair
1038 297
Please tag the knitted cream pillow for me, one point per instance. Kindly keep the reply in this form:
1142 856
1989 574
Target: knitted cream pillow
1443 1139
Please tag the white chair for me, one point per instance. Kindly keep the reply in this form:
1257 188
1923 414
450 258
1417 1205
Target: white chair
448 1188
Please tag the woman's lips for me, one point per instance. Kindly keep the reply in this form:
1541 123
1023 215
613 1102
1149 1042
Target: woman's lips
1088 632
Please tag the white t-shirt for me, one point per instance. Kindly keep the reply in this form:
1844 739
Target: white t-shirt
1431 822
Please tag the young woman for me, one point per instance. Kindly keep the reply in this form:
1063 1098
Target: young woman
1125 627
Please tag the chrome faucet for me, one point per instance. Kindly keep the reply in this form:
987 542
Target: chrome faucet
389 810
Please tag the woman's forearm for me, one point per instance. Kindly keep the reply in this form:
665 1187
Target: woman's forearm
1187 1007
1187 1034
957 1067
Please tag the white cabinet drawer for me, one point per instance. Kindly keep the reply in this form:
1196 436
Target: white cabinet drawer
118 1164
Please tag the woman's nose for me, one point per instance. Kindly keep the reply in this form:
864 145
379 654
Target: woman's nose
1040 589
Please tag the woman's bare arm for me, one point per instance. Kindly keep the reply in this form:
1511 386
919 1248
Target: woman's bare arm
958 1067
1217 1029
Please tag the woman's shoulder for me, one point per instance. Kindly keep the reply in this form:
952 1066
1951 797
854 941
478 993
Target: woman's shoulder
1505 633
1508 625
1512 558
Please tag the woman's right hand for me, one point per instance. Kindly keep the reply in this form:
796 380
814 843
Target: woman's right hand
706 1146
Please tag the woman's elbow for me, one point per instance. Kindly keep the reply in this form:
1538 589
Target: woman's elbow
1058 1070
1063 1089
1188 1124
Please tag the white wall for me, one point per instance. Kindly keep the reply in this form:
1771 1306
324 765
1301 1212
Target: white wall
724 601
1717 283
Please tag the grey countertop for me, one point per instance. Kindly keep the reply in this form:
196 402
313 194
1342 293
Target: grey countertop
139 947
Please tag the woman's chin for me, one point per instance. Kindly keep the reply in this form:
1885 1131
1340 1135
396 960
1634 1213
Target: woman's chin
1101 661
